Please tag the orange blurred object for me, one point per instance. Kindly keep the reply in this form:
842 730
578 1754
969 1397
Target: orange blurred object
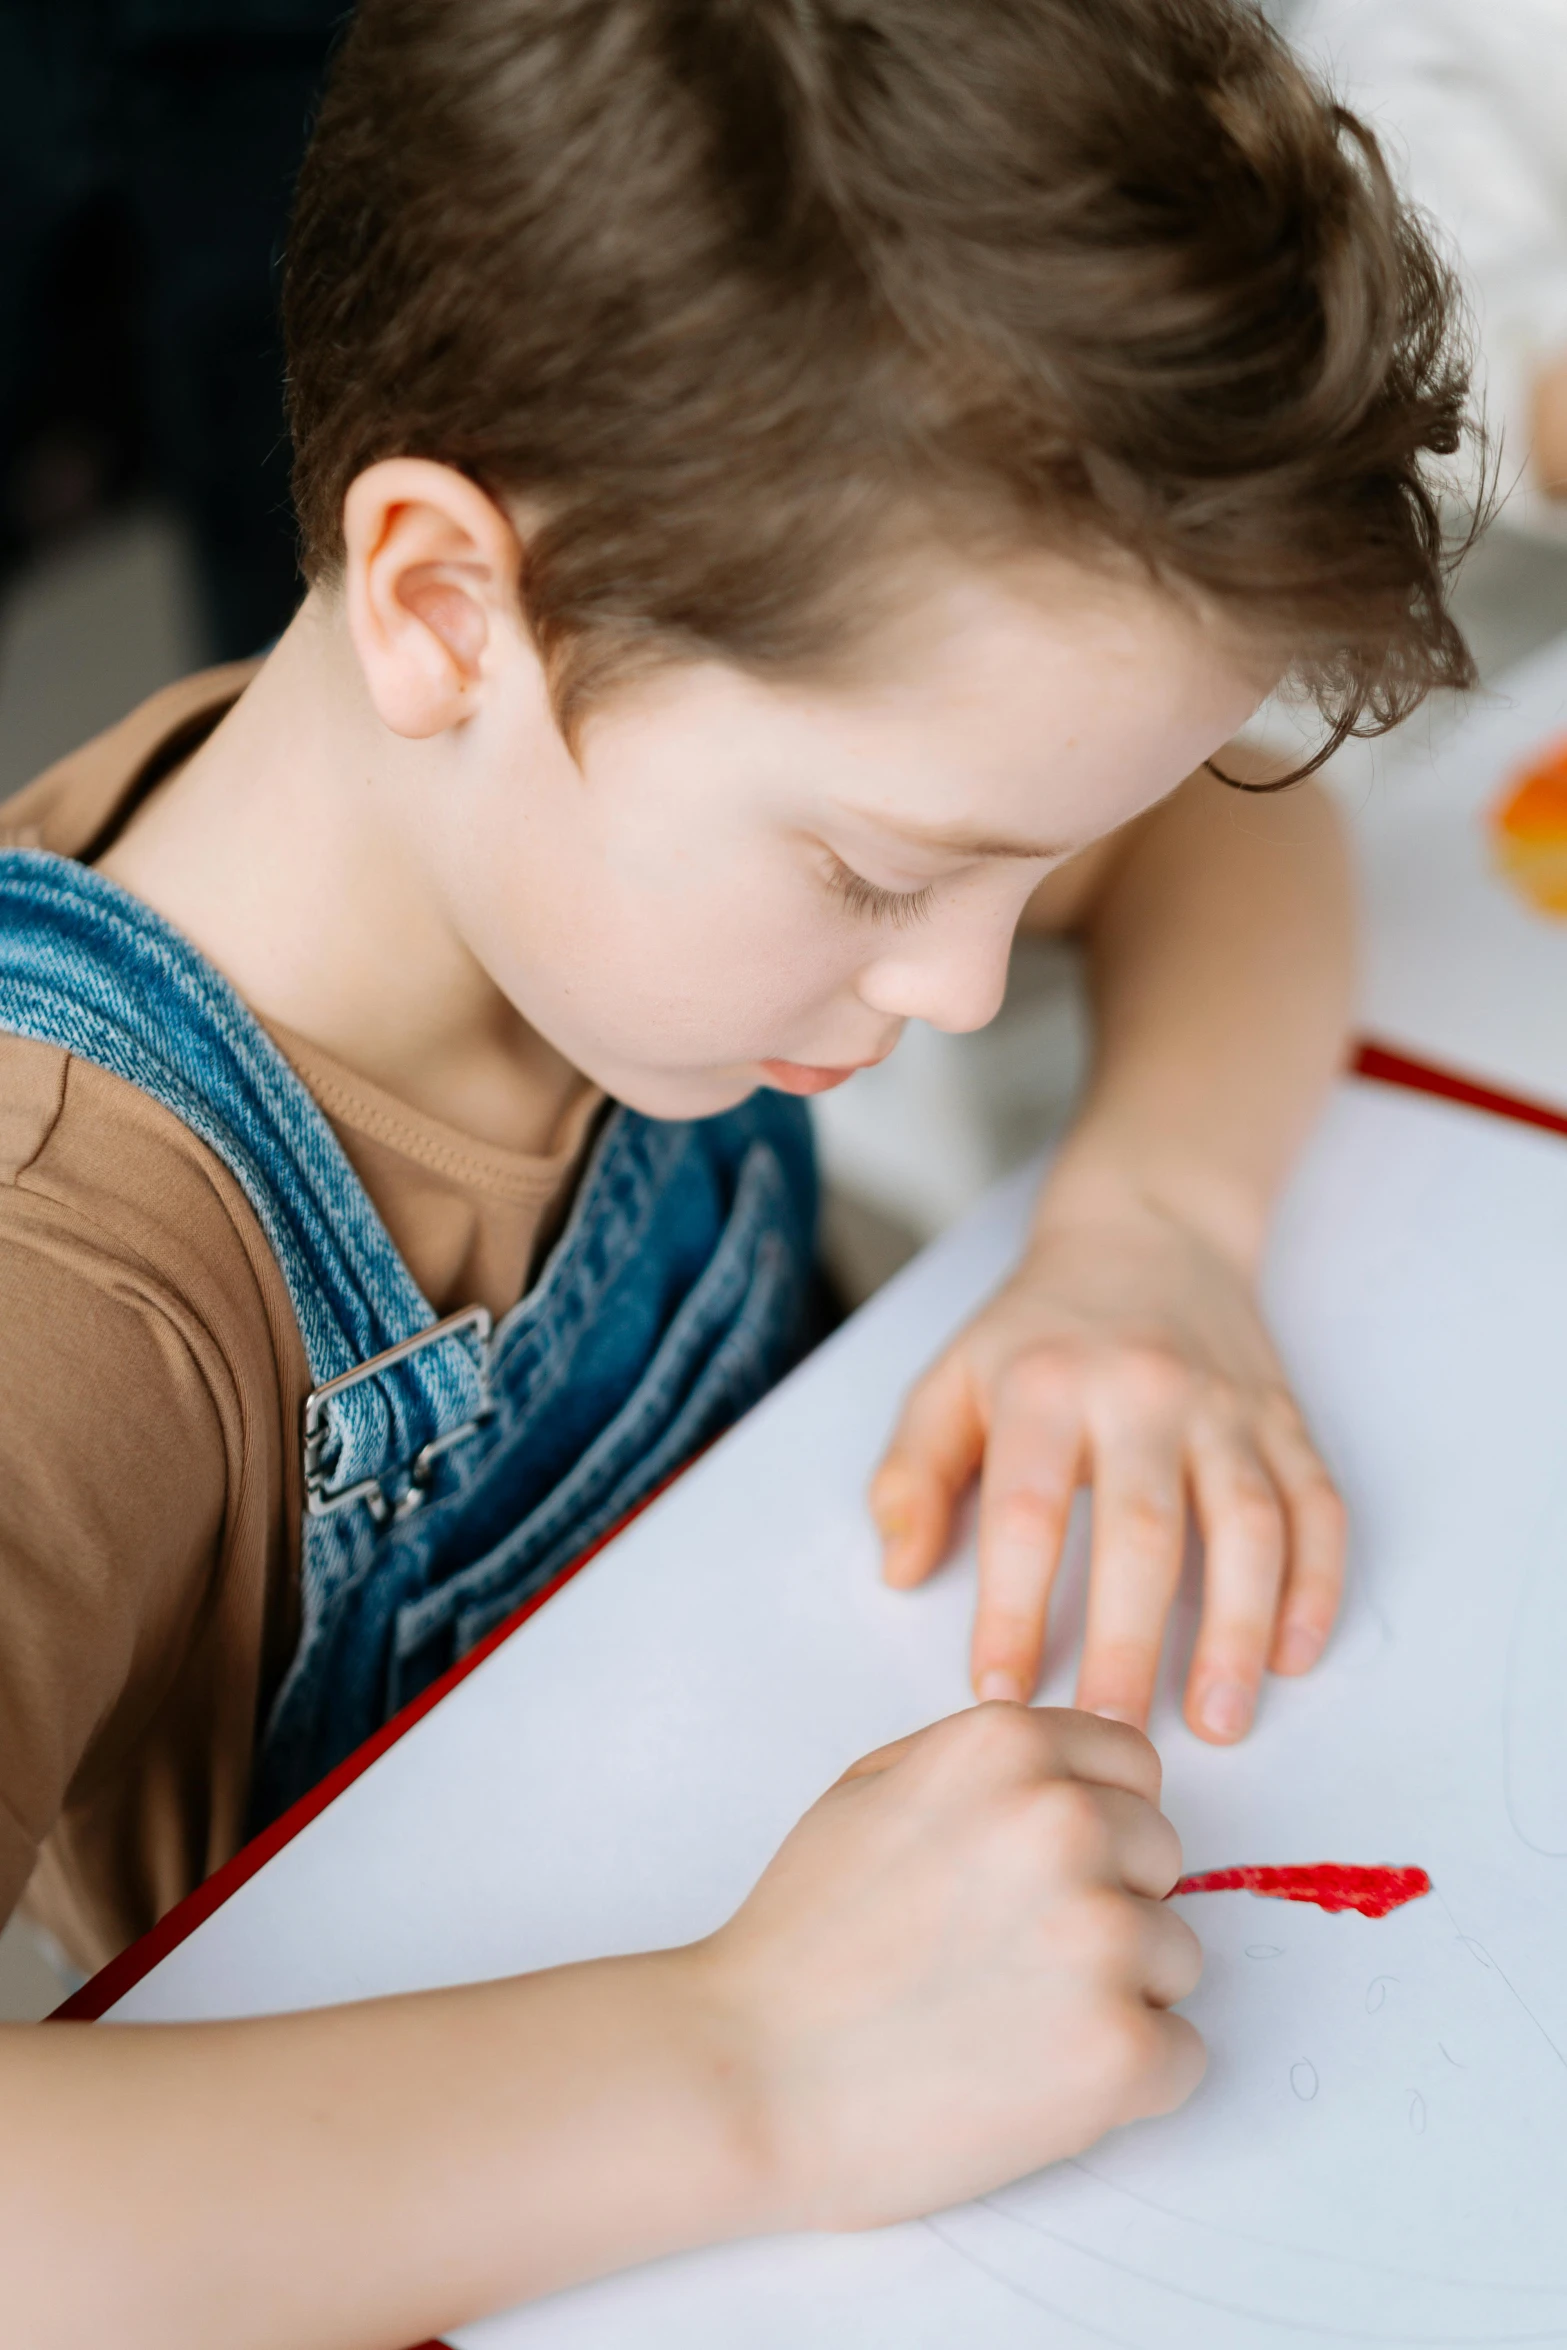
1529 832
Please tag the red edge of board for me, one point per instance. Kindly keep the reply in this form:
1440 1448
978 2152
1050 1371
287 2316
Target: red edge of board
1390 1068
112 1982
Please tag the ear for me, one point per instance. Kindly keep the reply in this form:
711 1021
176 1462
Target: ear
430 586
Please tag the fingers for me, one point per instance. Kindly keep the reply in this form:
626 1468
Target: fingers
934 1454
1139 1537
1137 1953
1106 1753
1150 2060
1147 1434
1106 1848
1273 1530
1162 2057
1314 1584
1031 1475
1245 1536
1273 1525
1028 1745
1172 1956
1147 1959
1141 1850
1174 2062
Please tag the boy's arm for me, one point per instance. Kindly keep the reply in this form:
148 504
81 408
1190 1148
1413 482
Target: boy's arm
844 2052
1128 1351
1220 942
113 1480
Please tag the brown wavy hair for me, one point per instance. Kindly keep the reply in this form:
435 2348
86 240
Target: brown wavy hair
736 294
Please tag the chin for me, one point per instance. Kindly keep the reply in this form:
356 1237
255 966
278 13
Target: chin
681 1094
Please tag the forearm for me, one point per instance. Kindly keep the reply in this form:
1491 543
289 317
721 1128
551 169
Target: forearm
1220 964
364 2176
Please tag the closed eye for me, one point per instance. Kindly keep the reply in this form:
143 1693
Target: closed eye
867 898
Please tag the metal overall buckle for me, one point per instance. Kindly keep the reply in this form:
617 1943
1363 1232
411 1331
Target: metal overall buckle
372 1490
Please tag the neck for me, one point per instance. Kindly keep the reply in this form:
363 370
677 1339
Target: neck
278 850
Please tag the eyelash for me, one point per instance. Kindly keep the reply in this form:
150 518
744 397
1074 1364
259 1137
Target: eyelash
899 906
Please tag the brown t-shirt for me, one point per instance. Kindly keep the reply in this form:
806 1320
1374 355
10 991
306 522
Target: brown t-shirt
151 1387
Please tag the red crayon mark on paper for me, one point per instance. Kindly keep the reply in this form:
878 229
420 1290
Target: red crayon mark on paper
1326 1883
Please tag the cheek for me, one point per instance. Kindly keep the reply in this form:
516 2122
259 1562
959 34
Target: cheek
746 960
702 958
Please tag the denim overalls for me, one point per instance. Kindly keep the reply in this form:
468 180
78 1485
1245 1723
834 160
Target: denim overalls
450 1469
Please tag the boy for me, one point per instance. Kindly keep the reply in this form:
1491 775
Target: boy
788 494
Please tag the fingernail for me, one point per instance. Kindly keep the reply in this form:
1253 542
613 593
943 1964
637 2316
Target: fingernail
1226 1708
1006 1686
889 1501
897 1561
1300 1645
1118 1713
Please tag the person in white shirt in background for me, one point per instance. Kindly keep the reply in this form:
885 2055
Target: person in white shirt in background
1471 105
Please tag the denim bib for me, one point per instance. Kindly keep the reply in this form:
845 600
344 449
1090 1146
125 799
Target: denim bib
450 1468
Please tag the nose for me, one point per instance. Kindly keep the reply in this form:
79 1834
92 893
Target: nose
954 983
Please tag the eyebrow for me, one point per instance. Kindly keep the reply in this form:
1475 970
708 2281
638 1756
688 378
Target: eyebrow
955 840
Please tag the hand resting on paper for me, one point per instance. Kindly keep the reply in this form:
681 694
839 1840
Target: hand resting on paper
958 1967
1130 1354
1128 1351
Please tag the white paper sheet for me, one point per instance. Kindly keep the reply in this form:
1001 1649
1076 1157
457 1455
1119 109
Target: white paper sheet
1458 968
1379 2152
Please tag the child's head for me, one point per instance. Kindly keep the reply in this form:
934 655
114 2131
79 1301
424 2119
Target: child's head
900 413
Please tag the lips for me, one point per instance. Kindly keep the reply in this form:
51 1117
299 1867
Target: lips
799 1077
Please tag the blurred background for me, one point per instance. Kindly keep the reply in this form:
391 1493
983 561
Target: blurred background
147 153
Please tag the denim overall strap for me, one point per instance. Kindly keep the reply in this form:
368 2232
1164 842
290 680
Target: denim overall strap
86 966
450 1472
